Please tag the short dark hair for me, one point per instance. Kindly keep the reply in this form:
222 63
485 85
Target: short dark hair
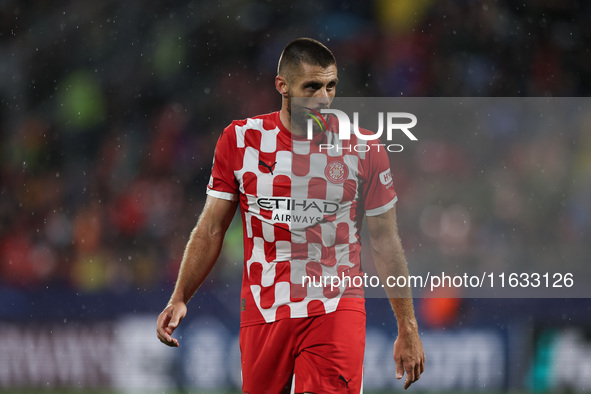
304 50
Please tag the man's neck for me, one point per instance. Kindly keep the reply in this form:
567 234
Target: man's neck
285 118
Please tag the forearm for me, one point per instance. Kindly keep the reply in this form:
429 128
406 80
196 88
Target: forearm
203 248
390 262
201 253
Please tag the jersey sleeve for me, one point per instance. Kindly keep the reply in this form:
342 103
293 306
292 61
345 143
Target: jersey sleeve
379 195
222 182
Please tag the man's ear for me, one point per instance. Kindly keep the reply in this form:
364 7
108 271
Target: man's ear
282 86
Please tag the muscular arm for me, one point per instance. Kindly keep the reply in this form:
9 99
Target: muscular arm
201 253
390 261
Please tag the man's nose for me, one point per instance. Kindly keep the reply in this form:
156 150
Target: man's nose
323 97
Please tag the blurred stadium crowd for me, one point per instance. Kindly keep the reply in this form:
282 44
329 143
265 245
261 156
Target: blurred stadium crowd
109 114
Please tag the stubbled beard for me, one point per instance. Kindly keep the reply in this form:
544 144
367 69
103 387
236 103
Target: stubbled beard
299 117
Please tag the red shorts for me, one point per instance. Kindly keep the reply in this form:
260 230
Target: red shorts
321 354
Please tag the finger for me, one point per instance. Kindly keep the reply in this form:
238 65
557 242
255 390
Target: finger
163 318
399 369
163 331
407 384
163 335
170 341
166 339
410 376
417 372
161 324
175 320
177 315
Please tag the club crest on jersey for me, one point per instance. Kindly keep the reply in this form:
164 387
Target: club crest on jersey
336 172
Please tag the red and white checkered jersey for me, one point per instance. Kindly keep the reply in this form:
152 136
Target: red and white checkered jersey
302 203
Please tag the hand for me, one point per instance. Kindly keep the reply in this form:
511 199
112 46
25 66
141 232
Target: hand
409 356
168 321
